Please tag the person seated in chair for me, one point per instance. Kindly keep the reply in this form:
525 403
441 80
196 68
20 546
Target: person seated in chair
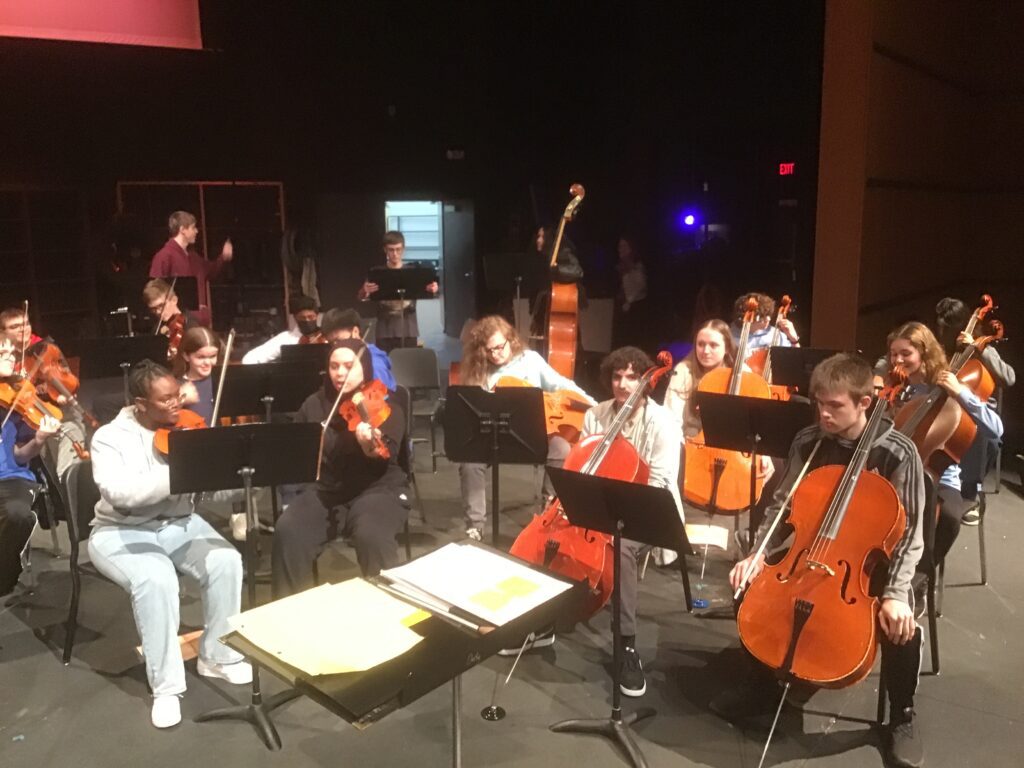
143 535
361 492
19 444
341 324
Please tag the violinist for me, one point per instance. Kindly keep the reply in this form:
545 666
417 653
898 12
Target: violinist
762 332
198 354
304 313
19 444
841 386
360 494
16 327
396 319
143 535
178 257
162 303
492 349
654 432
919 353
341 324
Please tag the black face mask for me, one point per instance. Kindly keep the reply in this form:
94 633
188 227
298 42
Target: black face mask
306 327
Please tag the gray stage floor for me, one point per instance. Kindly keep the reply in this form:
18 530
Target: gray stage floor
96 711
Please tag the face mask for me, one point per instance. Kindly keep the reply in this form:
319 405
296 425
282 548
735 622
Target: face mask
307 327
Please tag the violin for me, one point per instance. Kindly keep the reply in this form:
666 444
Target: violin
25 401
173 328
368 405
186 420
811 616
580 554
317 337
563 409
563 309
715 478
53 373
760 360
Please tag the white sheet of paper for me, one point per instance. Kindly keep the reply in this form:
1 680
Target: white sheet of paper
493 587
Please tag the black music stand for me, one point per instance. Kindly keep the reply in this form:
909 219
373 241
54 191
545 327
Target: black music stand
114 356
754 425
243 456
306 356
638 512
792 366
264 386
501 427
404 284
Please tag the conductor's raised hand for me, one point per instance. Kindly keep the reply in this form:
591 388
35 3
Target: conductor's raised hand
227 252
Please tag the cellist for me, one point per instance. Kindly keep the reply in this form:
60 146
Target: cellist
492 349
713 347
654 432
923 360
762 332
841 386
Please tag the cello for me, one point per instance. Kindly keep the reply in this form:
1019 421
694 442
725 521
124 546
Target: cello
715 478
579 554
760 360
937 425
811 617
563 308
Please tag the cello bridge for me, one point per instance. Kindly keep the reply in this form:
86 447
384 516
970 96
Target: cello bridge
814 565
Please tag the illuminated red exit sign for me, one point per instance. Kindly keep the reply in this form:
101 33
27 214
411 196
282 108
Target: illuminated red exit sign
787 169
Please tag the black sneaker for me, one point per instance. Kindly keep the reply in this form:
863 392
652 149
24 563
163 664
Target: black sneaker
631 673
973 515
906 747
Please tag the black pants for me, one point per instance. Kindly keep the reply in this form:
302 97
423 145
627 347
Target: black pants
371 520
952 506
16 523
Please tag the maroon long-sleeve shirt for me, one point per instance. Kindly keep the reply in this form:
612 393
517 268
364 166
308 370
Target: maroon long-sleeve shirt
174 261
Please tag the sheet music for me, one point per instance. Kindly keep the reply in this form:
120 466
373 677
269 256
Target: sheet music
700 534
481 583
333 628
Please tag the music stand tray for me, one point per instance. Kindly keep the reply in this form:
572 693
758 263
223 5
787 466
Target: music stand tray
754 425
792 366
639 512
407 283
501 427
237 457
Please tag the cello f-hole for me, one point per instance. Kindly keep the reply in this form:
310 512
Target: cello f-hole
849 600
784 577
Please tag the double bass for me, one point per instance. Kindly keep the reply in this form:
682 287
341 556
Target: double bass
563 308
579 554
715 478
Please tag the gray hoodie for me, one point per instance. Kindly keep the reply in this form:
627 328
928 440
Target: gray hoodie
134 481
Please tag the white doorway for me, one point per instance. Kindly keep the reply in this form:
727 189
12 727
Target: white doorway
420 222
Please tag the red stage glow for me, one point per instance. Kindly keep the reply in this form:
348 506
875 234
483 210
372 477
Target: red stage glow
162 23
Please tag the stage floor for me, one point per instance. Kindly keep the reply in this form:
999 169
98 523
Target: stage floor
95 712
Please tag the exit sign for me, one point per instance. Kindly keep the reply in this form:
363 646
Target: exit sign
787 169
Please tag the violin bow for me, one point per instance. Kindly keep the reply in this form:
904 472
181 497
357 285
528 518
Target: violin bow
223 375
163 307
24 340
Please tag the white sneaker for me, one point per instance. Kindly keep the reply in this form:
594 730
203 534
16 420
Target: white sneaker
474 534
238 525
539 641
166 711
239 673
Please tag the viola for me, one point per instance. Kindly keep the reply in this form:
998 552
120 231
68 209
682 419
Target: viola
53 373
580 554
317 337
563 308
563 409
715 478
760 360
25 401
811 617
186 420
368 405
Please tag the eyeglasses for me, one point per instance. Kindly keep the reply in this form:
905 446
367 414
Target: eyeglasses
499 348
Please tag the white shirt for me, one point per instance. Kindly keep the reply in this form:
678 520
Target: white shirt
270 350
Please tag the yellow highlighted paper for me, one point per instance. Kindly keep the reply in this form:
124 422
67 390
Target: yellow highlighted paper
333 628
